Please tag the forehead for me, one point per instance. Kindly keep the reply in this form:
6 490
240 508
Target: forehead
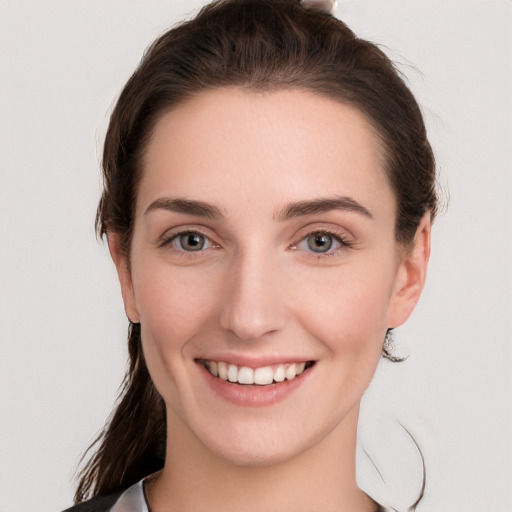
284 144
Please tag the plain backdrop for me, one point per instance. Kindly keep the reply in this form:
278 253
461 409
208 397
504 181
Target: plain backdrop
62 325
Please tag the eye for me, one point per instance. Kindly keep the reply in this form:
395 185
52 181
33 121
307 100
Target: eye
190 241
322 242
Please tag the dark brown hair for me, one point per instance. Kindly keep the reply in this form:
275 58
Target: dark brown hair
257 45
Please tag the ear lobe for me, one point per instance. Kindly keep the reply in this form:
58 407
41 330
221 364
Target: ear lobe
411 275
122 264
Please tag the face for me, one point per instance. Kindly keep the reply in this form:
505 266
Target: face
264 270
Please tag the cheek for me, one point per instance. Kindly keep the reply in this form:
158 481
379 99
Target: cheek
346 308
174 307
172 304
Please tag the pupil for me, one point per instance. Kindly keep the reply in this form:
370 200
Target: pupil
192 241
320 242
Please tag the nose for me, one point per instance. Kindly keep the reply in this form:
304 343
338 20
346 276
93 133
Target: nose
253 305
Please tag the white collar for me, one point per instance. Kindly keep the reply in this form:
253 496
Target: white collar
132 500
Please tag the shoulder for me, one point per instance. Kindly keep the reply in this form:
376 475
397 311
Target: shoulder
128 500
98 504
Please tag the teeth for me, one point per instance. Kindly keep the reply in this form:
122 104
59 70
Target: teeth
280 374
291 371
222 368
212 366
245 375
262 376
233 373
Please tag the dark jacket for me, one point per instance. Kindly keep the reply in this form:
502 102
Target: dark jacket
98 504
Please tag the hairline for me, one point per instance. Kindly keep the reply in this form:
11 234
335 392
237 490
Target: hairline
252 87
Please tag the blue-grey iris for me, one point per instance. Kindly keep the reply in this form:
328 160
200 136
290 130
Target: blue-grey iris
320 242
192 241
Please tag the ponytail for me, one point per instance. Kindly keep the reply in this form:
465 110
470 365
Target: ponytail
132 444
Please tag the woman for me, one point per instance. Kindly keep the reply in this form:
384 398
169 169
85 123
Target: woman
269 193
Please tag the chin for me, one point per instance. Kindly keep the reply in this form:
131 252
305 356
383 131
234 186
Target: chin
257 444
255 456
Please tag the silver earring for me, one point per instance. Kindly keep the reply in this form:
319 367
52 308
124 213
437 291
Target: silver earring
389 341
388 348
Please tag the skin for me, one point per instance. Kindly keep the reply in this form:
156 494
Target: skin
257 290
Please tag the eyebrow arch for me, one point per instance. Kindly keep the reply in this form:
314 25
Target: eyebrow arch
322 205
188 206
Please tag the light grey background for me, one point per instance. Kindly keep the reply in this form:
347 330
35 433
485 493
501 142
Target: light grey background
62 325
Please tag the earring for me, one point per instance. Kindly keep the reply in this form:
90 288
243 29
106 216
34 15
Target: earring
388 348
389 341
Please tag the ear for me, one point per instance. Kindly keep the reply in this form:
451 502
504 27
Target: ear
122 264
411 275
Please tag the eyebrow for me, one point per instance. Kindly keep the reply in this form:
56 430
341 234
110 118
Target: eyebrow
188 206
322 205
291 210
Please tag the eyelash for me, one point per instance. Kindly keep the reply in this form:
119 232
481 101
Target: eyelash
344 243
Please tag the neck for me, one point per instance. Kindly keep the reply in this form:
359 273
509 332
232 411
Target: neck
320 478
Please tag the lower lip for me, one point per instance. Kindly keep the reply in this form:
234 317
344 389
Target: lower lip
253 396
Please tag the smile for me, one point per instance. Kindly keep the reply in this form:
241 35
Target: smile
263 376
